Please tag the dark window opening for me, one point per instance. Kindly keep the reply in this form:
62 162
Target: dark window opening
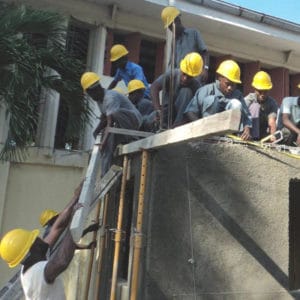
294 237
148 58
77 46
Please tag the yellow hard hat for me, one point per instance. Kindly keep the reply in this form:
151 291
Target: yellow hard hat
134 85
192 64
168 15
88 79
15 245
47 215
230 70
117 51
262 81
298 86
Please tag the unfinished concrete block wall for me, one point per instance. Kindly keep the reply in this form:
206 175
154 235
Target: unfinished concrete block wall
219 223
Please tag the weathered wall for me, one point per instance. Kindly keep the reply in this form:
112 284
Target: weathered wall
226 208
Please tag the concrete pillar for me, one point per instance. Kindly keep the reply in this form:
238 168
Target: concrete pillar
48 112
249 71
280 79
96 57
108 45
294 81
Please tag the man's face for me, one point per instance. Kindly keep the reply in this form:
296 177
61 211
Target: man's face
96 92
261 95
121 62
37 251
226 86
185 79
136 96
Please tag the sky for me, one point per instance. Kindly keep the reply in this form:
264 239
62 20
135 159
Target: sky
284 9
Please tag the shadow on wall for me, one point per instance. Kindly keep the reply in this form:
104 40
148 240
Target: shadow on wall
210 223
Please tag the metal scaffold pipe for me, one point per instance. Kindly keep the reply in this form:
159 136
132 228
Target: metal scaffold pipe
139 224
118 233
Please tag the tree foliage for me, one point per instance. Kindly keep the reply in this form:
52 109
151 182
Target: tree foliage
32 42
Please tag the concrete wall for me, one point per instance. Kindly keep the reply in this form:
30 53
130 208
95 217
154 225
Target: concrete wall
44 180
218 223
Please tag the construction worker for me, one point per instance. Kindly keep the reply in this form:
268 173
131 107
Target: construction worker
262 107
40 277
48 218
187 40
136 90
116 110
221 95
184 88
126 70
289 120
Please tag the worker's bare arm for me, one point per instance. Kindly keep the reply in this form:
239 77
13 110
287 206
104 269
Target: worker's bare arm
155 88
60 259
63 219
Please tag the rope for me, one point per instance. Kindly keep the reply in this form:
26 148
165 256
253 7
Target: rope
192 259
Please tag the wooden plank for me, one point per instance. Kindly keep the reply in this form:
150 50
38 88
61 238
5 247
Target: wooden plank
221 123
129 132
92 197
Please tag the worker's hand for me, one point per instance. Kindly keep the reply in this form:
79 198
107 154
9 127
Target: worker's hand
246 134
298 140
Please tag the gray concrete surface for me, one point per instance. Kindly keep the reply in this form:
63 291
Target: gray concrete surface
218 223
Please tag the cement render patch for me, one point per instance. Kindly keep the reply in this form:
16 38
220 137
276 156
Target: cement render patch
227 207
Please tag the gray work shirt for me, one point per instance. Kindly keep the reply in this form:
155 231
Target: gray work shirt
144 106
209 100
289 106
182 95
114 102
189 41
260 113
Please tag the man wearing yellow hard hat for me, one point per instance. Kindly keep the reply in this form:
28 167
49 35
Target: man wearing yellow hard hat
187 40
39 274
116 111
185 86
126 70
136 90
221 95
289 120
263 108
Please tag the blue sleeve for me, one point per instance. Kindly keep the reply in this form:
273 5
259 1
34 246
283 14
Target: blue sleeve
138 73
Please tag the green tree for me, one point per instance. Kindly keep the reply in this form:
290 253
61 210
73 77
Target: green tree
32 42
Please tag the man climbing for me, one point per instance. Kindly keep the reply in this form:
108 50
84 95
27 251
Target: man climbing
116 111
136 90
263 108
187 40
184 88
126 70
221 95
289 120
48 218
40 276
